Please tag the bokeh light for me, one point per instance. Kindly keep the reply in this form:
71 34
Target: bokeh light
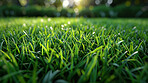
65 3
77 2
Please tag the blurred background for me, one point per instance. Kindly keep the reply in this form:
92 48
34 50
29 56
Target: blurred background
74 8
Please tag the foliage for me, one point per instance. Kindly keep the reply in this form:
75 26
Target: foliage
144 14
8 11
33 11
97 11
124 11
101 11
40 11
73 50
49 11
86 13
67 12
64 12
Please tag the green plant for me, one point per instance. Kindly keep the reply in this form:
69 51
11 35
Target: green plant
101 11
35 50
67 12
33 11
48 11
144 14
12 10
86 13
124 11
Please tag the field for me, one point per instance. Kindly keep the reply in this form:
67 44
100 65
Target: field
61 50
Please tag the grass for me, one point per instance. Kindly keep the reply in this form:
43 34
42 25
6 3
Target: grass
73 50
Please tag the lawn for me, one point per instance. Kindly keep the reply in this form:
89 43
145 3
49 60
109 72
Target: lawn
61 50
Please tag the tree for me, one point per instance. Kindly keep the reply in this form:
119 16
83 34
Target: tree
57 3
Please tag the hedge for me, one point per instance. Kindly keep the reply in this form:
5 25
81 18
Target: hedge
97 11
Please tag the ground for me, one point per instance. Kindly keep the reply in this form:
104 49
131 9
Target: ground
73 50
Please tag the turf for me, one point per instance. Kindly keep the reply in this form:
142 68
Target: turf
61 50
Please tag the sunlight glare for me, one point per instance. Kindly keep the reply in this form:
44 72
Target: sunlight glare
65 3
77 2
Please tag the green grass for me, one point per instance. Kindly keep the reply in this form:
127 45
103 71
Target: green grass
73 50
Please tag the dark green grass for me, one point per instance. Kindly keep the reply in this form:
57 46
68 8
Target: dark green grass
73 50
